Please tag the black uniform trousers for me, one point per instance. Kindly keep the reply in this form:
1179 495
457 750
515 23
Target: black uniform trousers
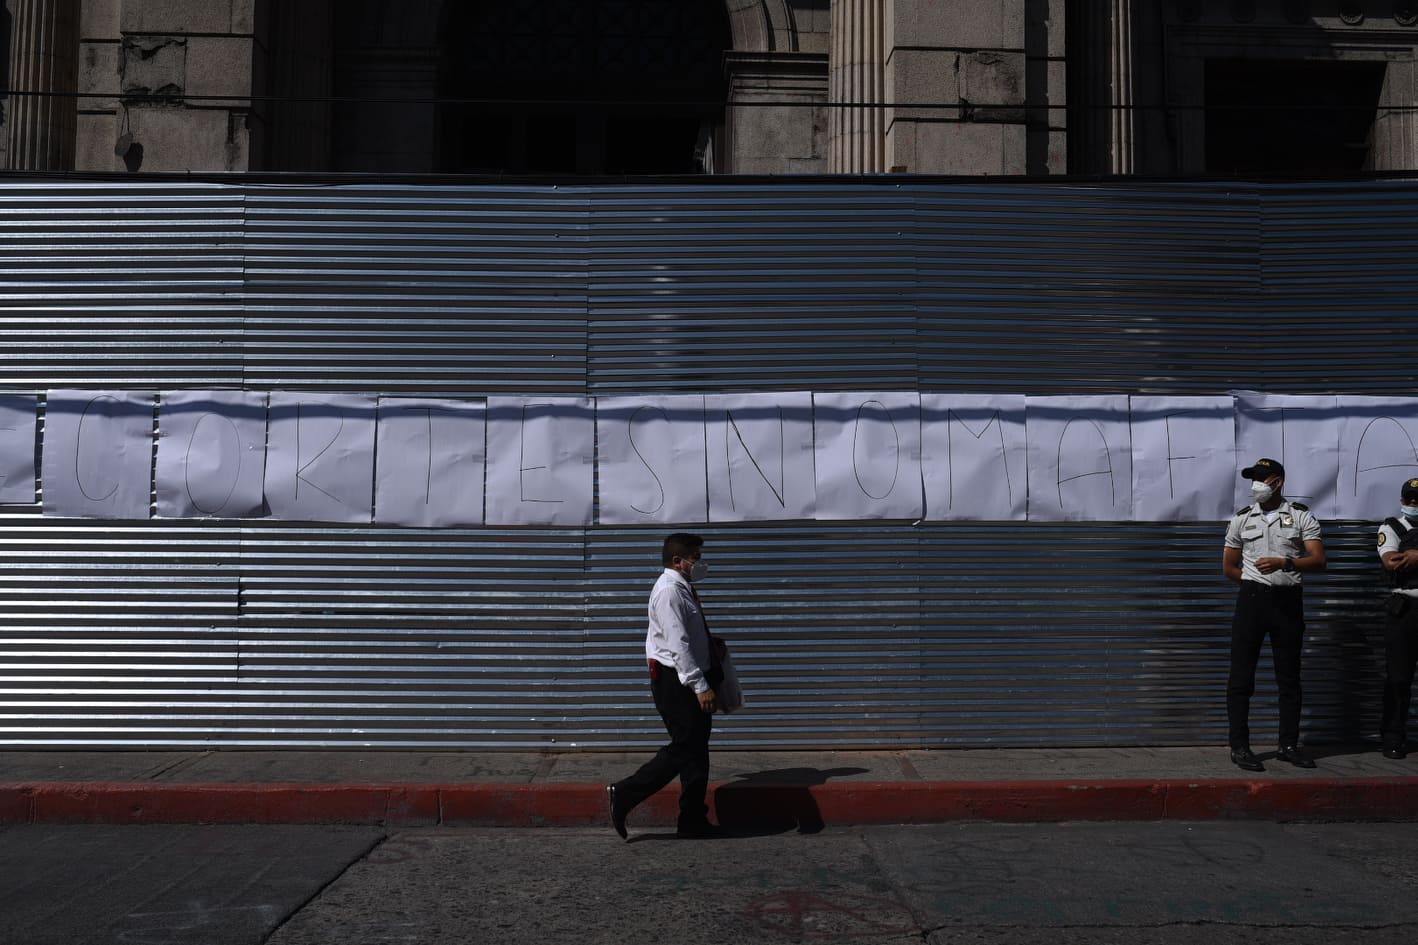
1400 656
686 756
1278 611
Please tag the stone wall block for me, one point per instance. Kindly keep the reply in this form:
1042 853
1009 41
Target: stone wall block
98 73
219 65
97 134
968 148
154 65
923 75
991 83
959 24
183 139
99 18
176 16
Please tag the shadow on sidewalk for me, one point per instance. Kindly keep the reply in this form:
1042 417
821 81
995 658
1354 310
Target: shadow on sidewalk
768 802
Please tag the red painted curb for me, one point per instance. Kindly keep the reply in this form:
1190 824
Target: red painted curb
732 803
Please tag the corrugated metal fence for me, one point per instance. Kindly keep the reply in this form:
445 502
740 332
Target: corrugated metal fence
952 633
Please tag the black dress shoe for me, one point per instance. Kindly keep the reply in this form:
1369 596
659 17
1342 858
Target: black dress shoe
1245 758
700 830
1295 755
617 815
1395 751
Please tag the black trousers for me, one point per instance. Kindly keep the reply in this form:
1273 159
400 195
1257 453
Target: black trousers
1278 611
686 756
1400 655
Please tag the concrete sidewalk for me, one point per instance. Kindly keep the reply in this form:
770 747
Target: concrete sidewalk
806 789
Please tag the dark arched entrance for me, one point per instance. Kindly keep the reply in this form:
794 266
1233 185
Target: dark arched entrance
580 86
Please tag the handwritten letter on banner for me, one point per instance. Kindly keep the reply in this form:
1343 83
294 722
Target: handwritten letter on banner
1080 460
1302 432
651 459
868 455
98 453
540 455
17 442
211 454
1183 458
429 462
973 456
760 457
1378 450
320 457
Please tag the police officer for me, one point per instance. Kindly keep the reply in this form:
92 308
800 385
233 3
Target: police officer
1398 549
1269 544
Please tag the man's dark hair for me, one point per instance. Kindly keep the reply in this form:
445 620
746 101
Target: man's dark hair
680 545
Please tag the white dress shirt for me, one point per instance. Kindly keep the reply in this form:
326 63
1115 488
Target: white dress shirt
678 636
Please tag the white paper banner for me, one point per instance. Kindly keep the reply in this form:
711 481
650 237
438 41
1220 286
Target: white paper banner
1302 433
540 460
868 455
211 454
760 457
320 457
1378 452
98 453
651 460
1183 458
429 462
17 443
1080 459
973 454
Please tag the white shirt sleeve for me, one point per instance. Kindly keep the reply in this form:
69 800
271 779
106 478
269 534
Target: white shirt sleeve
1388 541
677 634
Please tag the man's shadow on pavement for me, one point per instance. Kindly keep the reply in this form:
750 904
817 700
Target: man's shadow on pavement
769 802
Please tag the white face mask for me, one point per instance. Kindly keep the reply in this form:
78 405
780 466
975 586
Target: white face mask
1409 510
1261 492
698 570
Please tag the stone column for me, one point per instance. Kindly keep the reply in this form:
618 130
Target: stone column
1100 88
856 131
44 61
1120 143
1395 144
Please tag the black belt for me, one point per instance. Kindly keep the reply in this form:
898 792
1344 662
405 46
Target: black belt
1271 588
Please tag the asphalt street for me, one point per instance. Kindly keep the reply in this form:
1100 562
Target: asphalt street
1215 882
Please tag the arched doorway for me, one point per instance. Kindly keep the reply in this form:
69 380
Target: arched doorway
581 86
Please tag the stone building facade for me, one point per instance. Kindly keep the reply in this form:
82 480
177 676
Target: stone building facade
558 87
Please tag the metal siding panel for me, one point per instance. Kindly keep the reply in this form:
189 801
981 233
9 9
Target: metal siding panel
846 634
432 291
696 289
120 285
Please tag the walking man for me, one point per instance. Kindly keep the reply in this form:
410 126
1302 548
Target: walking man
1398 549
1269 545
683 676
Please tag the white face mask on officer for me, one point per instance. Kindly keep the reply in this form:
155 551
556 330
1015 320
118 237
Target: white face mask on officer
1262 492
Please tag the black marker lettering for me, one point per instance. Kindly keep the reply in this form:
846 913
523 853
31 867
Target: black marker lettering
630 433
1107 453
995 422
522 458
733 427
300 470
78 446
858 443
1359 451
187 463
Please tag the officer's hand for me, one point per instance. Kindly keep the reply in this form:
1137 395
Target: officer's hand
1269 565
1406 560
708 701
